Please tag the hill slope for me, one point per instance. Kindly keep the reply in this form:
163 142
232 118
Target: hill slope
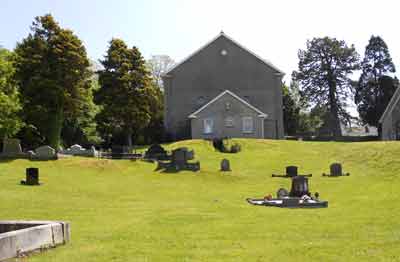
124 211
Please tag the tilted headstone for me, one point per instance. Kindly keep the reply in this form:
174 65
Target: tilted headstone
225 165
92 152
45 153
11 148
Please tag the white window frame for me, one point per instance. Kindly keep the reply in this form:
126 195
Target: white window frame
208 125
229 121
247 124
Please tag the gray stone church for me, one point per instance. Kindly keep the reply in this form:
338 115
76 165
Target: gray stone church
223 90
390 119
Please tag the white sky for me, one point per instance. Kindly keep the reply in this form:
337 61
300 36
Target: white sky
275 30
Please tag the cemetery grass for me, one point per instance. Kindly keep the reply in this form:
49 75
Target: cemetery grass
123 210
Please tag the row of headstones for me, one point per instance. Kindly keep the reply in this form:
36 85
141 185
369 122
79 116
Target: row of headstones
335 170
12 149
78 150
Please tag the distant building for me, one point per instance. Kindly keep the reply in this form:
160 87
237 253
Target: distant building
390 119
365 130
223 90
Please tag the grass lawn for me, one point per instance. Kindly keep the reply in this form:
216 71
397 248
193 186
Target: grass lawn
122 210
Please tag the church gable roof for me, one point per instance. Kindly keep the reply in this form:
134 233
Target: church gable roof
392 104
222 34
227 92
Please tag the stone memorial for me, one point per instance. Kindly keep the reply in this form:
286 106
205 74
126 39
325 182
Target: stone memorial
179 161
44 153
291 171
298 197
78 150
32 177
156 152
12 149
225 165
336 171
299 187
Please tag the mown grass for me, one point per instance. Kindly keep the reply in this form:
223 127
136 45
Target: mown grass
124 211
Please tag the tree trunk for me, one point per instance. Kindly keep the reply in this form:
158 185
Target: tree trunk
55 129
334 111
129 134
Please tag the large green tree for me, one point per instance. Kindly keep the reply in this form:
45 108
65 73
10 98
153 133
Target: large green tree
125 89
10 121
53 72
323 76
375 86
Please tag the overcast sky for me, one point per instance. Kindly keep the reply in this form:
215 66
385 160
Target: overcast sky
275 30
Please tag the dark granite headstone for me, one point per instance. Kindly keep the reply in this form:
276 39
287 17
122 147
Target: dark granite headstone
299 186
336 169
225 165
291 171
32 176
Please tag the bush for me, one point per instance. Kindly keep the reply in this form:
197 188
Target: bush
223 145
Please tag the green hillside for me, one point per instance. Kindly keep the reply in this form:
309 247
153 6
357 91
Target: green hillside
122 210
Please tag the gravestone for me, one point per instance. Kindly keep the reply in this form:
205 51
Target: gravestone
336 170
291 171
45 153
11 148
92 152
32 177
179 161
299 186
179 158
76 149
157 152
225 165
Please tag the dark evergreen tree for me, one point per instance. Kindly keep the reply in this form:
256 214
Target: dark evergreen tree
53 73
323 76
291 112
375 86
124 92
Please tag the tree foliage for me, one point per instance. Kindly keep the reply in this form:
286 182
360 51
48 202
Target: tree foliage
53 73
375 87
291 111
323 76
125 89
10 121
